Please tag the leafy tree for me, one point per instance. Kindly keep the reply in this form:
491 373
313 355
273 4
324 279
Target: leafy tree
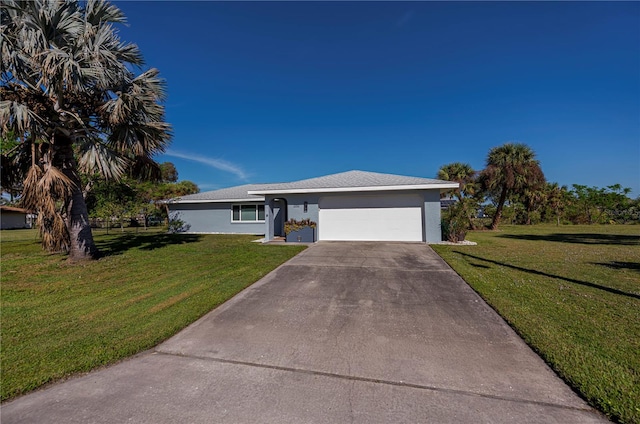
614 200
69 93
111 200
131 198
632 212
600 205
169 172
9 145
510 170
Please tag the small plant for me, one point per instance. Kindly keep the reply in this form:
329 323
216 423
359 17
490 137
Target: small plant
294 225
176 225
455 223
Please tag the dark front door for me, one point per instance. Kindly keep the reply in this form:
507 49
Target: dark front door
279 217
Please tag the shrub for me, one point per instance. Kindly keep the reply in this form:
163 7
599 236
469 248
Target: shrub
294 225
176 225
455 223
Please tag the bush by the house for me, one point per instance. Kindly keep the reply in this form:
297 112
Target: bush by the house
295 225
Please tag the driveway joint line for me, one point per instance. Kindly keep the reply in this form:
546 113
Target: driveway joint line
586 409
370 266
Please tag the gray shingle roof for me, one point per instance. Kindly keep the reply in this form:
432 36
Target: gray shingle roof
353 179
231 193
344 180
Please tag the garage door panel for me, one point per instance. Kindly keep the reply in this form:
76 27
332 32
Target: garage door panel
370 202
371 218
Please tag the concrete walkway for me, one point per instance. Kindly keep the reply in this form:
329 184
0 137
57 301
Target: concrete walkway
344 332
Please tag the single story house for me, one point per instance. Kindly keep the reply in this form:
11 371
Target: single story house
349 206
12 218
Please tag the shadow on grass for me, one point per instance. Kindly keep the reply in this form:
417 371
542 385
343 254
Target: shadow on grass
634 266
544 274
589 238
119 244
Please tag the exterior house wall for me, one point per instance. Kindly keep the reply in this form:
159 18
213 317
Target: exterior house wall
431 216
295 206
295 210
213 218
12 220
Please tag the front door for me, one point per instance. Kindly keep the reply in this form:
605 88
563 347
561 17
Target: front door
279 217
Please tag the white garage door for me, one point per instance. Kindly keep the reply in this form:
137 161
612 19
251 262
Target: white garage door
375 218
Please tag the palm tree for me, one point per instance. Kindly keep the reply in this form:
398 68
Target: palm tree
511 168
466 193
68 91
555 199
461 173
533 197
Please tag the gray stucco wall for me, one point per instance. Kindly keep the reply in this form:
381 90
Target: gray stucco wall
213 218
216 217
431 216
295 210
295 206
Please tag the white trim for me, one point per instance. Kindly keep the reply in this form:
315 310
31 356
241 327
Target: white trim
172 202
357 189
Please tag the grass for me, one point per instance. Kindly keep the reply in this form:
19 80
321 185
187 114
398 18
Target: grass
59 319
573 294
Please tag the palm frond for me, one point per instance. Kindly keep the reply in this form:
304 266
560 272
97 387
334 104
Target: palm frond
141 139
107 46
145 168
17 116
54 183
30 196
42 192
94 157
53 232
15 165
150 84
99 11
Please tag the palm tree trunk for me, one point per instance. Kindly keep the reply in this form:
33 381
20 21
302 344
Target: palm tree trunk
498 215
82 245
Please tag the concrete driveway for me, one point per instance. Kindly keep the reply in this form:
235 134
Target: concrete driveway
344 332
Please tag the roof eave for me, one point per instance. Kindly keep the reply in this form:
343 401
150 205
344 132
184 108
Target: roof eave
441 187
253 199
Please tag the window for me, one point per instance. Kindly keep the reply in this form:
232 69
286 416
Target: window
247 213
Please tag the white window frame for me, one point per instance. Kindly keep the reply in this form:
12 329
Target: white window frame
241 205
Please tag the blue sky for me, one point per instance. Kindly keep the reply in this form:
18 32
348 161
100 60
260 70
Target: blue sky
281 91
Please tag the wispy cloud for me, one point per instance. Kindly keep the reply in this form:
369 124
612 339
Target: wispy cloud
219 164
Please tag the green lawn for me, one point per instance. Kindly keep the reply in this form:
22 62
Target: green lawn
573 294
59 319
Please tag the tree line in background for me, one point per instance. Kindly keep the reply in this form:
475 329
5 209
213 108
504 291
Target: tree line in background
127 200
133 201
512 188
